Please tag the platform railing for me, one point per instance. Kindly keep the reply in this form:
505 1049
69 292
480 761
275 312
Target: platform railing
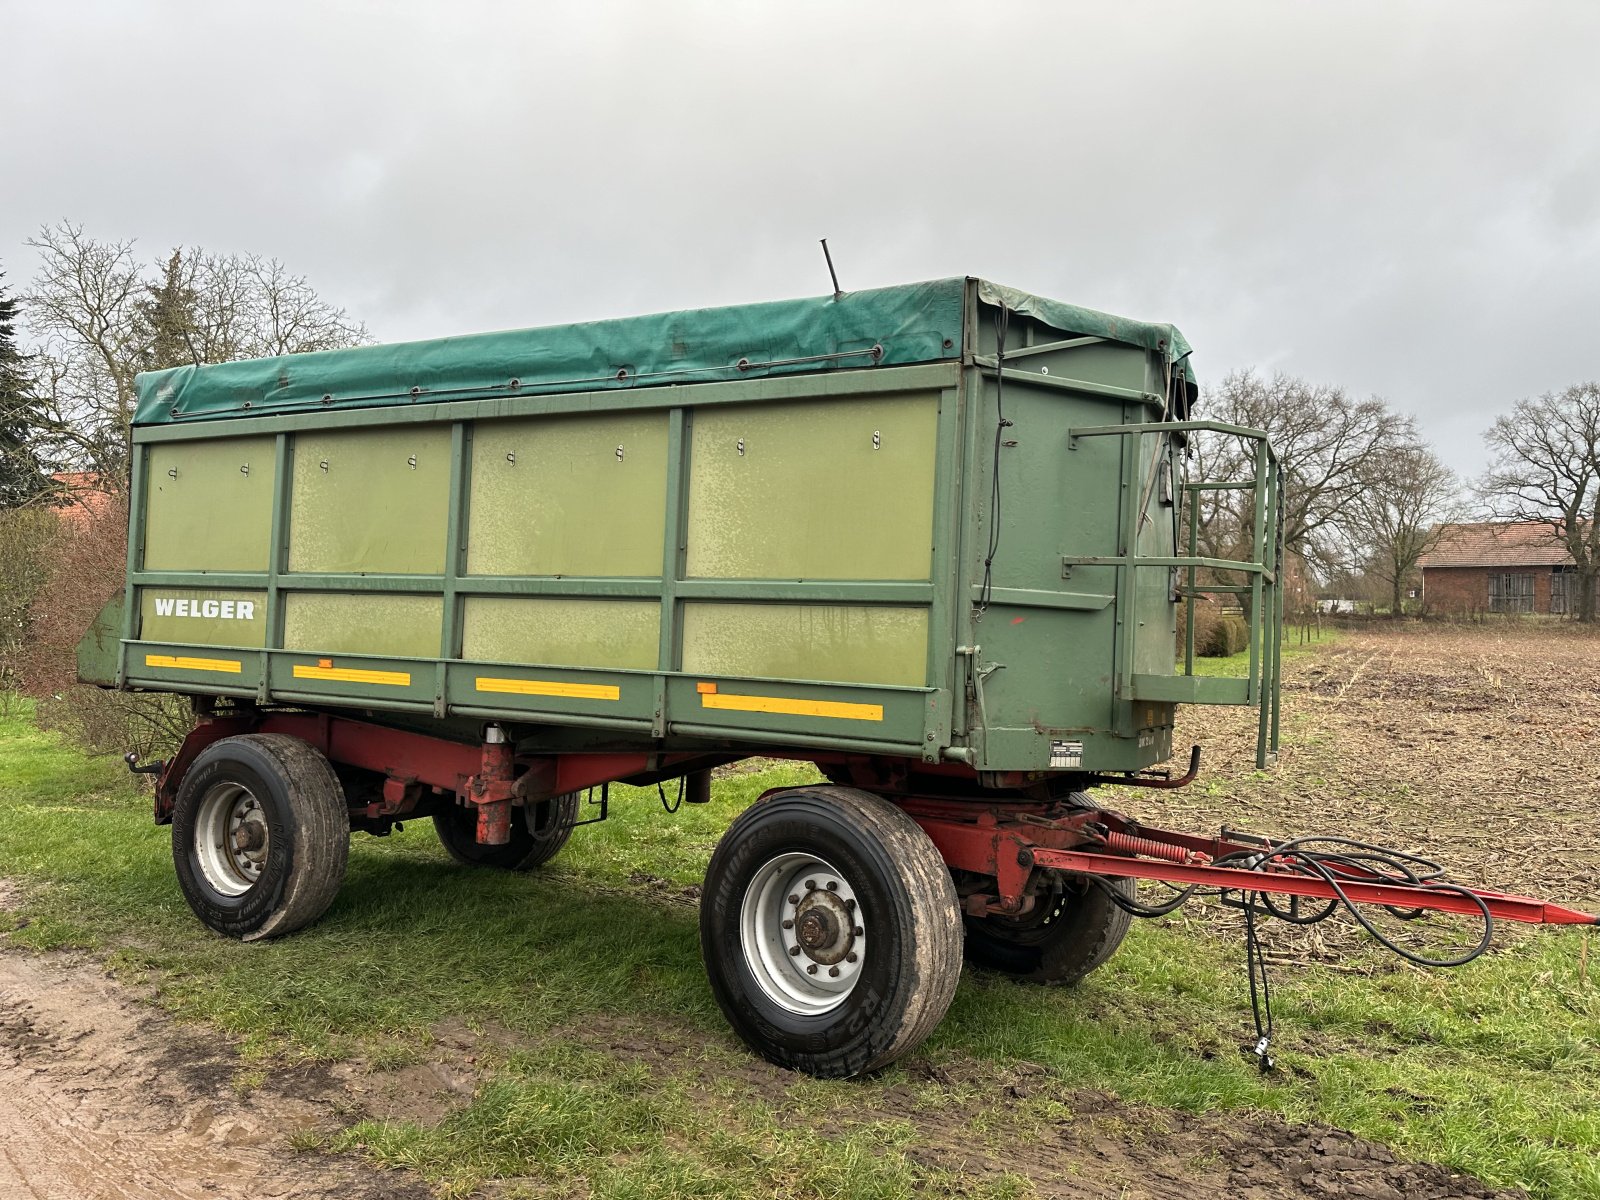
1262 571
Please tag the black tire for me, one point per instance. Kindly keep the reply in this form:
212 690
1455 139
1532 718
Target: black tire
871 860
279 795
1073 928
538 831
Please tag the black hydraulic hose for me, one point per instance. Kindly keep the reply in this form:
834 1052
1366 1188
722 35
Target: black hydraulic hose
1360 862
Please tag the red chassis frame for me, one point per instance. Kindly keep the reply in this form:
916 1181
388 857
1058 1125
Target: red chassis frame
1005 841
483 775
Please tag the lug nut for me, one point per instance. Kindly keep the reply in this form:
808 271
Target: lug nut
851 957
858 931
788 924
794 899
834 972
812 969
832 886
851 904
811 885
795 950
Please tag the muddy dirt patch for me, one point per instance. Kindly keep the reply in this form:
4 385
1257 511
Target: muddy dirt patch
104 1098
1068 1143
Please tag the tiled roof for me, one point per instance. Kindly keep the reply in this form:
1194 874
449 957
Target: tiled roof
84 498
1497 544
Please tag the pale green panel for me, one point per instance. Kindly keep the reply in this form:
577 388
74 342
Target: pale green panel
360 505
554 631
208 505
809 496
827 642
202 617
582 495
362 623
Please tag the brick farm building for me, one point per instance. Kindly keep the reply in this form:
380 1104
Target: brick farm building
1496 566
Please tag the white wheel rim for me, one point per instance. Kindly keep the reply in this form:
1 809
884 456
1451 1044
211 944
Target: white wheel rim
803 934
231 838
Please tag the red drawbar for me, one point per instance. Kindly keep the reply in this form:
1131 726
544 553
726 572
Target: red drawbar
1007 843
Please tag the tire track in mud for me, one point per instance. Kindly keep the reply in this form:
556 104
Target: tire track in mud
104 1098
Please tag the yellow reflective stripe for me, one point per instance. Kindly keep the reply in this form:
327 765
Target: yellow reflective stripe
179 663
548 687
353 675
793 708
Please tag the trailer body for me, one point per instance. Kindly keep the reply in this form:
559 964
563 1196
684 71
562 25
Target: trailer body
799 524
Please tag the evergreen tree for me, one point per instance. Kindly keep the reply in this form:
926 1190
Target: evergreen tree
23 424
166 317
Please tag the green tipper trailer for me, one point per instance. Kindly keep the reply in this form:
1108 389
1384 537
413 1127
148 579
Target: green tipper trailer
932 538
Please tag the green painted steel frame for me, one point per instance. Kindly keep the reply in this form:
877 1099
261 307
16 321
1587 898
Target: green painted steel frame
1260 687
933 731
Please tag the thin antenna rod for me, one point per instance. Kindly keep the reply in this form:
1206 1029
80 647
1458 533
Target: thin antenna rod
837 294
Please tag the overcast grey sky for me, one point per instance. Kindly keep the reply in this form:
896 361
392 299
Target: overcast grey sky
1403 198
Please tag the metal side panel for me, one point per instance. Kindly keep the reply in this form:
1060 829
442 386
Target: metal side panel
624 699
398 626
573 496
374 501
786 712
568 631
819 489
174 667
873 644
352 679
203 616
208 505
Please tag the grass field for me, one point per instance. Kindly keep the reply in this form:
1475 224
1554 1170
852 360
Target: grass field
601 1066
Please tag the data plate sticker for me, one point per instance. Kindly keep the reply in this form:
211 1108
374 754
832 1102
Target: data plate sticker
1066 754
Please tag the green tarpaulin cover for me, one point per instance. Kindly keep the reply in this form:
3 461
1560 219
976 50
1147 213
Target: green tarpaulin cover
912 323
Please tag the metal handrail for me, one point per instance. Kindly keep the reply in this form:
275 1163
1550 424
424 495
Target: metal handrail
1263 569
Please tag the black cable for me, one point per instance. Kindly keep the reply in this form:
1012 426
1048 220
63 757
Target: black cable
1142 910
662 792
1255 965
1335 861
1291 853
1360 862
1002 321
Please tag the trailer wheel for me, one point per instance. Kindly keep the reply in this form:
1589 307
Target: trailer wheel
260 835
831 931
1073 928
538 831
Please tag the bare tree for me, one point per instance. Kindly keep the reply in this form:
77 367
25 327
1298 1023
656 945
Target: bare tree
1547 470
285 314
1328 444
1399 514
223 307
82 307
101 317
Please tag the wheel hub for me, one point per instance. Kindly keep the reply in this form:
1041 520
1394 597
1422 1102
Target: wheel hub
803 934
823 927
231 838
251 835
